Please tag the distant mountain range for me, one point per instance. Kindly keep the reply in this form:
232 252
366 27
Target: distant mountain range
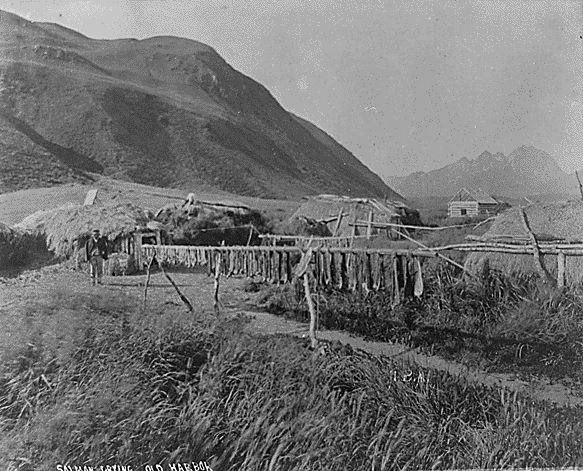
162 111
524 172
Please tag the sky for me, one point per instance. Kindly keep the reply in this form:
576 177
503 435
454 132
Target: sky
405 85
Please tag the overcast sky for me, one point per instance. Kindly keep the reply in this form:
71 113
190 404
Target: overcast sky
405 86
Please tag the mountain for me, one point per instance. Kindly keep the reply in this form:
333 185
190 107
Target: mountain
161 111
526 171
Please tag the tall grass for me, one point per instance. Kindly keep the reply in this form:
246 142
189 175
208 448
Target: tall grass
496 321
144 392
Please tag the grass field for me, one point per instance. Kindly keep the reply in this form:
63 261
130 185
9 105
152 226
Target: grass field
17 205
93 380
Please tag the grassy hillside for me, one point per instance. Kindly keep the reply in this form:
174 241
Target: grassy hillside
162 111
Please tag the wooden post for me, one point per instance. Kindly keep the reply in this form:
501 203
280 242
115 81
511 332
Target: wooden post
580 184
535 248
175 286
369 226
138 249
314 341
561 262
301 270
148 281
353 230
216 302
338 221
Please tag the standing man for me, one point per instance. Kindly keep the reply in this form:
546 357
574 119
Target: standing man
95 254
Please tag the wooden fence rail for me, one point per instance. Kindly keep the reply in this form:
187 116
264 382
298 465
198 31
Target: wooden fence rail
398 271
356 269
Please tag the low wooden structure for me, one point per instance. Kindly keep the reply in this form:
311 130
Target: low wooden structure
398 271
341 212
466 203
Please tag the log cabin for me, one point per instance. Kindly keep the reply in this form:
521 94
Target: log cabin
466 203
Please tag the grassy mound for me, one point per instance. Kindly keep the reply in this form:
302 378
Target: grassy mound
133 389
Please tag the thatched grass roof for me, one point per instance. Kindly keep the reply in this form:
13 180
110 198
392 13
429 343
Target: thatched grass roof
478 195
327 207
67 227
559 221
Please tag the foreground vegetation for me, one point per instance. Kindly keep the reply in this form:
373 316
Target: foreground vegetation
125 387
496 323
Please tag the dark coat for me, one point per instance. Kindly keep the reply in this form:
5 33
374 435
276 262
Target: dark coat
100 245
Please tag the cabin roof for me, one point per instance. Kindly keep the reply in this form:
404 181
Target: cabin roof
479 196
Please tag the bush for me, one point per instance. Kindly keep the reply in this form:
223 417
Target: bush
302 226
210 227
22 249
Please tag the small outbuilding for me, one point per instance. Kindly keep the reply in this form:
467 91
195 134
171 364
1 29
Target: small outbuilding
344 216
466 203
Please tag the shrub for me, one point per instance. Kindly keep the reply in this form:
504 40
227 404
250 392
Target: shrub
210 227
22 249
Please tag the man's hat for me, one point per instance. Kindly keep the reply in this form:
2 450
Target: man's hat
96 231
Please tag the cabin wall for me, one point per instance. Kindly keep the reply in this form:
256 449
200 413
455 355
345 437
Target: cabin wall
460 209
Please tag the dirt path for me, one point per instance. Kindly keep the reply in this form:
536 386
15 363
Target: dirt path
199 289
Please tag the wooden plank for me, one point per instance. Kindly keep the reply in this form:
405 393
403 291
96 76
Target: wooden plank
382 225
148 249
552 249
90 198
175 286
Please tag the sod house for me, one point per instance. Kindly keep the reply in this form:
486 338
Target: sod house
66 230
345 216
559 225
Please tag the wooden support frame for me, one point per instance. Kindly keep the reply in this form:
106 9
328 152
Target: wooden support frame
447 259
183 298
535 248
147 281
338 222
217 304
369 225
